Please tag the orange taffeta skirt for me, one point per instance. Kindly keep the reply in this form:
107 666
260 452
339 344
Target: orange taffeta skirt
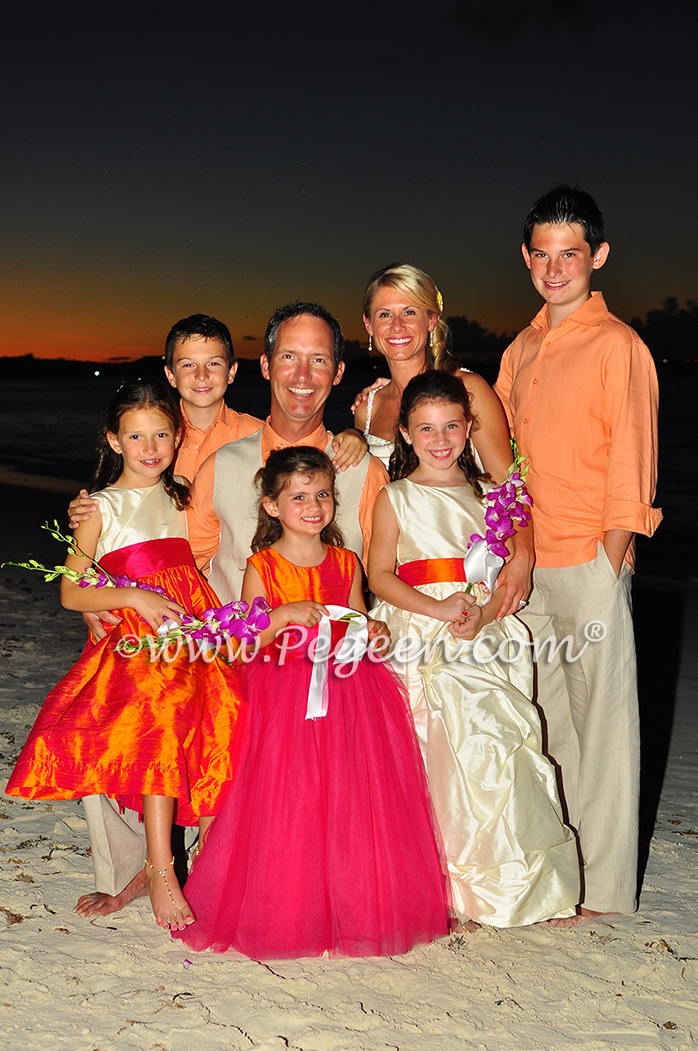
125 726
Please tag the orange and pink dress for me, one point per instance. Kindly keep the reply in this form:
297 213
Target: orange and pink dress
123 726
326 840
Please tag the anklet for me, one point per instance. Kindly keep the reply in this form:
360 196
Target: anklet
161 873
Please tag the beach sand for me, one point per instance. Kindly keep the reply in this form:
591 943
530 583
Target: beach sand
119 982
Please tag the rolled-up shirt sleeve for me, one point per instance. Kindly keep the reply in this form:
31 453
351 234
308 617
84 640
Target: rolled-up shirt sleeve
632 402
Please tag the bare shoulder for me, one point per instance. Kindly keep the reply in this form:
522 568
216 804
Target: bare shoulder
474 383
384 507
485 401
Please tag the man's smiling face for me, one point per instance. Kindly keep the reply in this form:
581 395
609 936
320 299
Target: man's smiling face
301 372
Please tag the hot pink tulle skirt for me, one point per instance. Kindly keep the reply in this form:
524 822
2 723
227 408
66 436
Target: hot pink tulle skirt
326 841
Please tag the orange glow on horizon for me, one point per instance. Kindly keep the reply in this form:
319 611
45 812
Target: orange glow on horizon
86 346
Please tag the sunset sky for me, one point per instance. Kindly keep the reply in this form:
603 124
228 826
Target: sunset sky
160 160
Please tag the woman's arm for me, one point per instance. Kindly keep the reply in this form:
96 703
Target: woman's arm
491 439
515 580
358 406
490 434
384 582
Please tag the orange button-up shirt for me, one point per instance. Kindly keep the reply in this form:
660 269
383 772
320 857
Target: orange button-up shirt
582 401
197 444
204 527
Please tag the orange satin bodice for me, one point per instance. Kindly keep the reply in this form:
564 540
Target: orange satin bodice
283 581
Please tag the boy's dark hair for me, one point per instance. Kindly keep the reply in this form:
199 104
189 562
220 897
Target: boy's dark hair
137 394
298 309
434 385
567 204
273 478
199 325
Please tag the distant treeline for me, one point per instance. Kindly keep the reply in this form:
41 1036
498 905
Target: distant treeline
671 334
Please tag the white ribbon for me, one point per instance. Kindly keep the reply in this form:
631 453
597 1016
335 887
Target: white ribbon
482 567
350 651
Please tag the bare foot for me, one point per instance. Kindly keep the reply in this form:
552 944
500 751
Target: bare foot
564 921
584 918
457 926
170 907
99 904
591 915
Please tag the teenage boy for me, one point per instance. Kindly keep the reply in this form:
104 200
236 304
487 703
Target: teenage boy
580 390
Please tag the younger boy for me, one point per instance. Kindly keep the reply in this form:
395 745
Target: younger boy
580 391
200 363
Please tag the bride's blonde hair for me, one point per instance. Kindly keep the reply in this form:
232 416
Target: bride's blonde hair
421 290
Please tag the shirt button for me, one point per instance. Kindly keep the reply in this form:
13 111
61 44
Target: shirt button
548 343
534 382
525 419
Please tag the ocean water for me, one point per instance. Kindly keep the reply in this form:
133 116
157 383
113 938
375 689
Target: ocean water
50 427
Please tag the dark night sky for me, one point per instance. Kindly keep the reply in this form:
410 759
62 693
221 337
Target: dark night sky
160 159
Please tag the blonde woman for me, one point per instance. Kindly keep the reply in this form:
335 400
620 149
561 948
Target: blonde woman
403 315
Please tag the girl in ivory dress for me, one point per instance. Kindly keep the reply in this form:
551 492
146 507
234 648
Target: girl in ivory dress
326 841
511 859
158 735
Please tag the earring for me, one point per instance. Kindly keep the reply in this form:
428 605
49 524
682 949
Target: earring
432 340
370 344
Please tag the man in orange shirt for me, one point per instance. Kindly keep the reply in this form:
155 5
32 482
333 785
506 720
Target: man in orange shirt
302 362
580 390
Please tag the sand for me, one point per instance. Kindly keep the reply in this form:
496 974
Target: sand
119 982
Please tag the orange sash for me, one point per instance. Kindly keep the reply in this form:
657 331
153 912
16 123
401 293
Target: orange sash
432 571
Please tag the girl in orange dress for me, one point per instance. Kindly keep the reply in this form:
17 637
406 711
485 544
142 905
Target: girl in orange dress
157 735
326 840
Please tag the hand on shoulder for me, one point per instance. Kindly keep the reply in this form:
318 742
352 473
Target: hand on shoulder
80 508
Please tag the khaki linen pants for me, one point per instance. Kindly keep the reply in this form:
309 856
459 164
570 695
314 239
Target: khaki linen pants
588 694
117 841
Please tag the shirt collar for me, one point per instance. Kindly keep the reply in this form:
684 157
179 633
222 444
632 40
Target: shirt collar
318 439
223 413
593 312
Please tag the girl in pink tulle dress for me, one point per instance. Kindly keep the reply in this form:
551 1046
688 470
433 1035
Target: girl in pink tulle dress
326 841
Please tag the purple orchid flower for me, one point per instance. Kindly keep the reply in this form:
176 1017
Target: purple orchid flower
507 507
